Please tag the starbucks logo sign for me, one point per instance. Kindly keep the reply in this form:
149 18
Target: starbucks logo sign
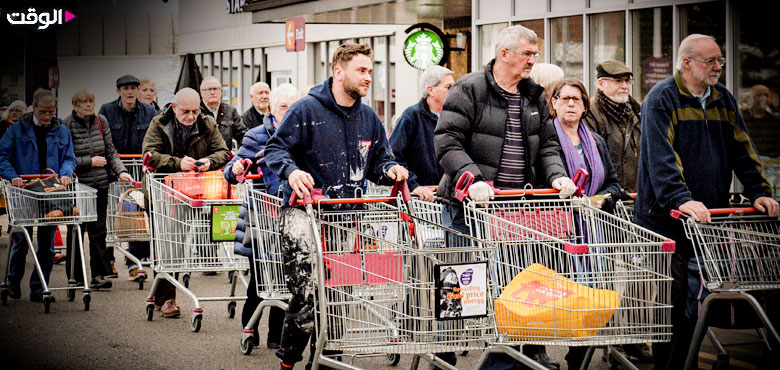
425 47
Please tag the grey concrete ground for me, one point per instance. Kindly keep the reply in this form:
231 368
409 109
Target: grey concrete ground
115 334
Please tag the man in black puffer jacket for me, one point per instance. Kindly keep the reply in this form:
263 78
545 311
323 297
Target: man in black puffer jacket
496 124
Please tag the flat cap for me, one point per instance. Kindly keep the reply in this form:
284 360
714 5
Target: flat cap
612 68
127 80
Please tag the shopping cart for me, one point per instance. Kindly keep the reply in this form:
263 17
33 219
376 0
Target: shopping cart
28 208
183 241
548 250
386 283
625 208
263 229
126 220
738 252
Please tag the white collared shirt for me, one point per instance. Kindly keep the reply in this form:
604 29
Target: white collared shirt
215 111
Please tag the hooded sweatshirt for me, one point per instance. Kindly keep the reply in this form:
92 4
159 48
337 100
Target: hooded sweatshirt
339 146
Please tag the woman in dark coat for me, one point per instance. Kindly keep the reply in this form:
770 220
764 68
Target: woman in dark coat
96 162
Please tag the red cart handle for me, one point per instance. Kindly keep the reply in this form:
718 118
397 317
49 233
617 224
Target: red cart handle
676 213
317 196
467 178
403 187
130 156
580 177
146 161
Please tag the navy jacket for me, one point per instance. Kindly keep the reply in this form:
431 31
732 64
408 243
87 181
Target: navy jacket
255 140
412 143
19 150
689 155
340 147
128 128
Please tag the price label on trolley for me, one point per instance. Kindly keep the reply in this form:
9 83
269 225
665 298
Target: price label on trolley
224 219
461 290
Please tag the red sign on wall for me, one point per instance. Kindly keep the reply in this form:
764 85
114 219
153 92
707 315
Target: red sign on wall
295 34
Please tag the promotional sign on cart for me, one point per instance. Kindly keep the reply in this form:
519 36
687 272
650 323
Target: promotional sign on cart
461 290
224 219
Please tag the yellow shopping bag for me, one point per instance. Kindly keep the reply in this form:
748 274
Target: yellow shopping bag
540 304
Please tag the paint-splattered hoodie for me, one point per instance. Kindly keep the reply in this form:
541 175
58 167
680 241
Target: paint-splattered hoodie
339 146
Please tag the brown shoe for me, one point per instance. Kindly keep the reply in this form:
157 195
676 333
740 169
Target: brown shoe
132 275
113 273
170 309
54 214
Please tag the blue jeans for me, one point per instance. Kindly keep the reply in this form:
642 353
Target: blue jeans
45 255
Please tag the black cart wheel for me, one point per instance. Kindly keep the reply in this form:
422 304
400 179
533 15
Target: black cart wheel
231 309
87 298
246 345
149 312
186 280
195 323
141 280
46 304
392 359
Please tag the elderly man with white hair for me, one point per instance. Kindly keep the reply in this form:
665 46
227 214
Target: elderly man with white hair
259 93
412 137
693 138
181 139
228 120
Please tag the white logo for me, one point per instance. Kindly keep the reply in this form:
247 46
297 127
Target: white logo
423 52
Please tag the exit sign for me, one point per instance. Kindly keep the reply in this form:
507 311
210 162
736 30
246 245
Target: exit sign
295 34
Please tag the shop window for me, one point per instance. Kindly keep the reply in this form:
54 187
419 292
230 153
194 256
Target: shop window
607 41
652 49
566 45
488 36
757 80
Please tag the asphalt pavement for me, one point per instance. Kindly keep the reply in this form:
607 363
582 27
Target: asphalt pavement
115 334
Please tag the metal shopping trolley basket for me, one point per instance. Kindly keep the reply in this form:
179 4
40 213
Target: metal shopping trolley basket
27 208
738 252
381 289
126 219
190 235
565 273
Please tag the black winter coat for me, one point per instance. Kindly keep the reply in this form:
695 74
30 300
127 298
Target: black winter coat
469 135
88 142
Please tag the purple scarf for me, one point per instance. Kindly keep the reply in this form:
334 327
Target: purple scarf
573 160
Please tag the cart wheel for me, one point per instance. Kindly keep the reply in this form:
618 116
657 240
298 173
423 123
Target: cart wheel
46 304
195 323
232 309
140 281
71 295
392 359
149 312
186 280
87 299
4 296
246 345
230 277
464 353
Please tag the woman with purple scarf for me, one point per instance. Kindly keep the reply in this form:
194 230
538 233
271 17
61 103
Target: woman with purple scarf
581 148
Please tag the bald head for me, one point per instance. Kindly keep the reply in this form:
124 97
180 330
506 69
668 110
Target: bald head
260 95
186 106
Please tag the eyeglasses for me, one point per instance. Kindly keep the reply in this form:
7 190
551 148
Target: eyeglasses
526 54
622 80
567 99
211 89
45 112
190 111
711 62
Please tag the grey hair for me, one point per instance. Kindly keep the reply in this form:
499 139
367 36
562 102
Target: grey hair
19 104
284 90
209 78
431 77
257 85
508 37
42 95
546 75
688 47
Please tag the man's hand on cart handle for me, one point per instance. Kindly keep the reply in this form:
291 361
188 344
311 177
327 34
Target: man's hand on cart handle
124 176
238 168
768 206
565 186
398 173
481 191
301 183
697 210
424 193
18 182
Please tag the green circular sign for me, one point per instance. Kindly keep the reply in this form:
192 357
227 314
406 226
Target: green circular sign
423 49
